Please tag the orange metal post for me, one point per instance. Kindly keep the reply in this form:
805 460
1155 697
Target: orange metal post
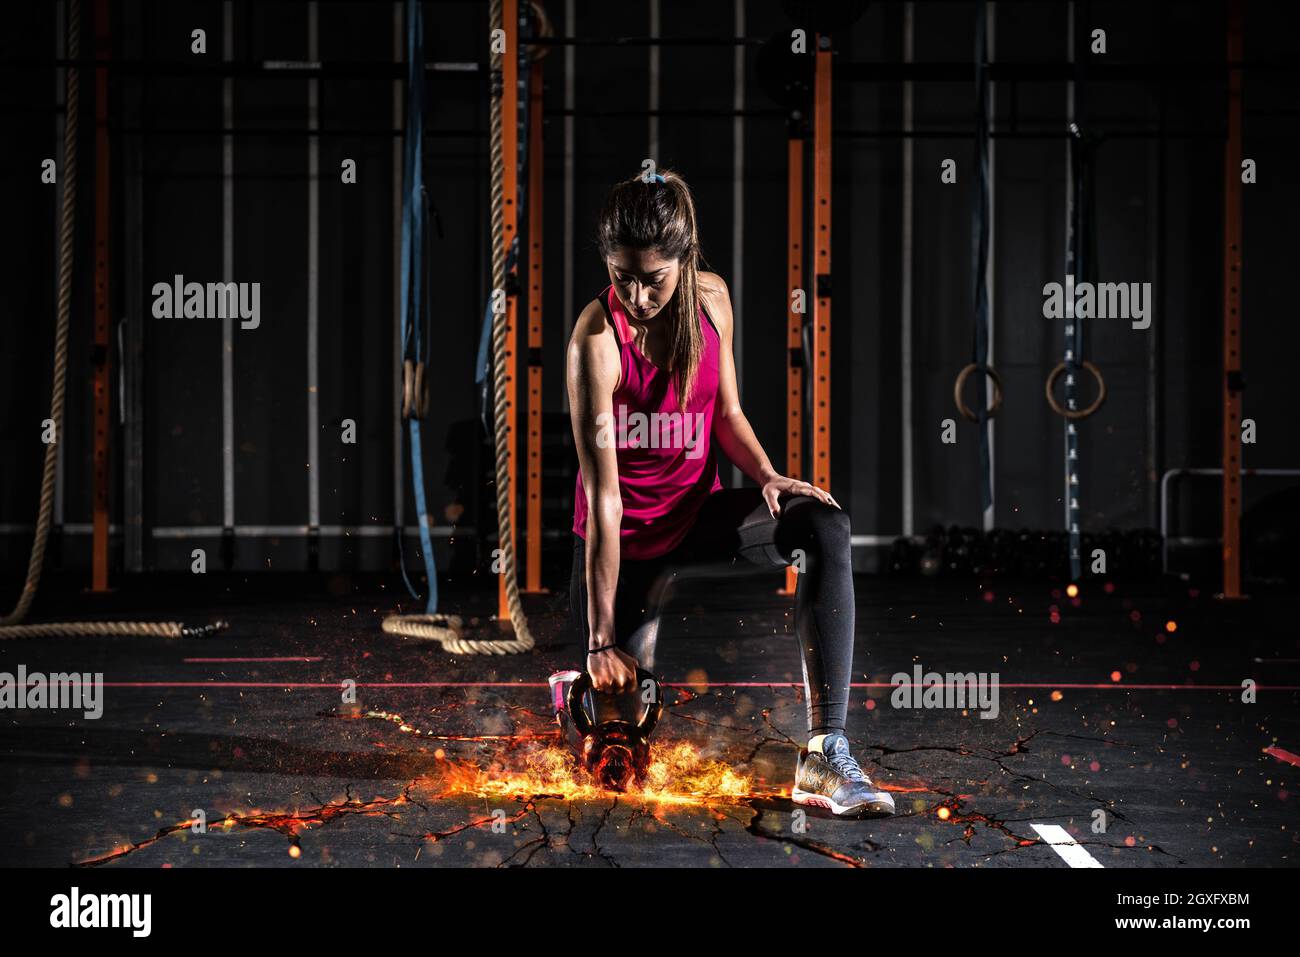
103 425
821 324
510 148
534 503
1232 316
794 326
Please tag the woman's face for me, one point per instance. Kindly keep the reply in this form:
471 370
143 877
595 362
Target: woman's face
644 281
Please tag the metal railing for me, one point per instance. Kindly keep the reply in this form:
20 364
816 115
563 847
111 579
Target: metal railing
1164 505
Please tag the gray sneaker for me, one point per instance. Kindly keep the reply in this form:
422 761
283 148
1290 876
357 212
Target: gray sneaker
832 779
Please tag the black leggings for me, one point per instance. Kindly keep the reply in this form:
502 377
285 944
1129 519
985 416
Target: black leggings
735 523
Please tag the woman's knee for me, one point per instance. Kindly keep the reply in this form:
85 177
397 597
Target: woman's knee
827 528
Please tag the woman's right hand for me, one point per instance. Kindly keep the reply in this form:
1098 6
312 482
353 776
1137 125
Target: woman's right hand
612 670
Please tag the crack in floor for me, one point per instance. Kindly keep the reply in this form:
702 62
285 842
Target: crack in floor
955 801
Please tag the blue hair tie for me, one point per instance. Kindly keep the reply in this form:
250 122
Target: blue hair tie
659 178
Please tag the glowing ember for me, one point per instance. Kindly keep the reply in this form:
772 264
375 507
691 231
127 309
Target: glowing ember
402 726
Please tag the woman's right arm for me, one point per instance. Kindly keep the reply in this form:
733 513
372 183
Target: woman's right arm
593 371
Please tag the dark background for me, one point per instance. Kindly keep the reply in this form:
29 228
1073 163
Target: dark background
1159 218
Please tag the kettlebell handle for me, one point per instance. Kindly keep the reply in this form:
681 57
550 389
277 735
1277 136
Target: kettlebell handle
582 684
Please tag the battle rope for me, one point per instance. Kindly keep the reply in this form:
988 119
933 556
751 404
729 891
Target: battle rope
9 624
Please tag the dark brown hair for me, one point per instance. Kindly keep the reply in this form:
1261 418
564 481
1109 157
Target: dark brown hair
644 215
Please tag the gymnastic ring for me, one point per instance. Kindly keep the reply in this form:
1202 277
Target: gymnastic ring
1075 413
421 391
408 388
537 51
961 381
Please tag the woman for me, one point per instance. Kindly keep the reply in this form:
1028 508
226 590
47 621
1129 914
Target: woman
648 500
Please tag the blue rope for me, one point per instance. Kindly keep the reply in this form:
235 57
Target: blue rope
414 216
484 362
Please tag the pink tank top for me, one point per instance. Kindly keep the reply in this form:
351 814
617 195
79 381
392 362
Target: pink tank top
666 465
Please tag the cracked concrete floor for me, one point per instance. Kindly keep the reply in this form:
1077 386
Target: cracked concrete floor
1107 718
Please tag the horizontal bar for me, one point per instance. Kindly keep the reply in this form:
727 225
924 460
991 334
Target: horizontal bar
332 531
1165 485
293 69
242 531
561 41
288 131
316 66
884 71
890 134
957 71
877 541
956 134
426 3
693 111
1219 471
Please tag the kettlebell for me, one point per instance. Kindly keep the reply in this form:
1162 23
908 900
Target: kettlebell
611 729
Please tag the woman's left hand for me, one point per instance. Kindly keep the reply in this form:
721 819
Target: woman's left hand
780 485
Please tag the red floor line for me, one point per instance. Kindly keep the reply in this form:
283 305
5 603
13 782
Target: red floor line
1283 755
214 661
1100 686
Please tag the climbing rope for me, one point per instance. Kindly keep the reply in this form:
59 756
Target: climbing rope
502 410
9 624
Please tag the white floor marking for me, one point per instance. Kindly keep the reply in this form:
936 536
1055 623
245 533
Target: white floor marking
1061 842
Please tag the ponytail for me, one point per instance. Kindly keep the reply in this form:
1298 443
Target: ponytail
660 215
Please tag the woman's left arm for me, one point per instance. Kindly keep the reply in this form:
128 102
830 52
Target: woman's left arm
734 433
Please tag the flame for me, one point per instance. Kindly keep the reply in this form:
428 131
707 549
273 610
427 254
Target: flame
678 774
532 766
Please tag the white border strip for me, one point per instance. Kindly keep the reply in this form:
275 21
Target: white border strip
1059 839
